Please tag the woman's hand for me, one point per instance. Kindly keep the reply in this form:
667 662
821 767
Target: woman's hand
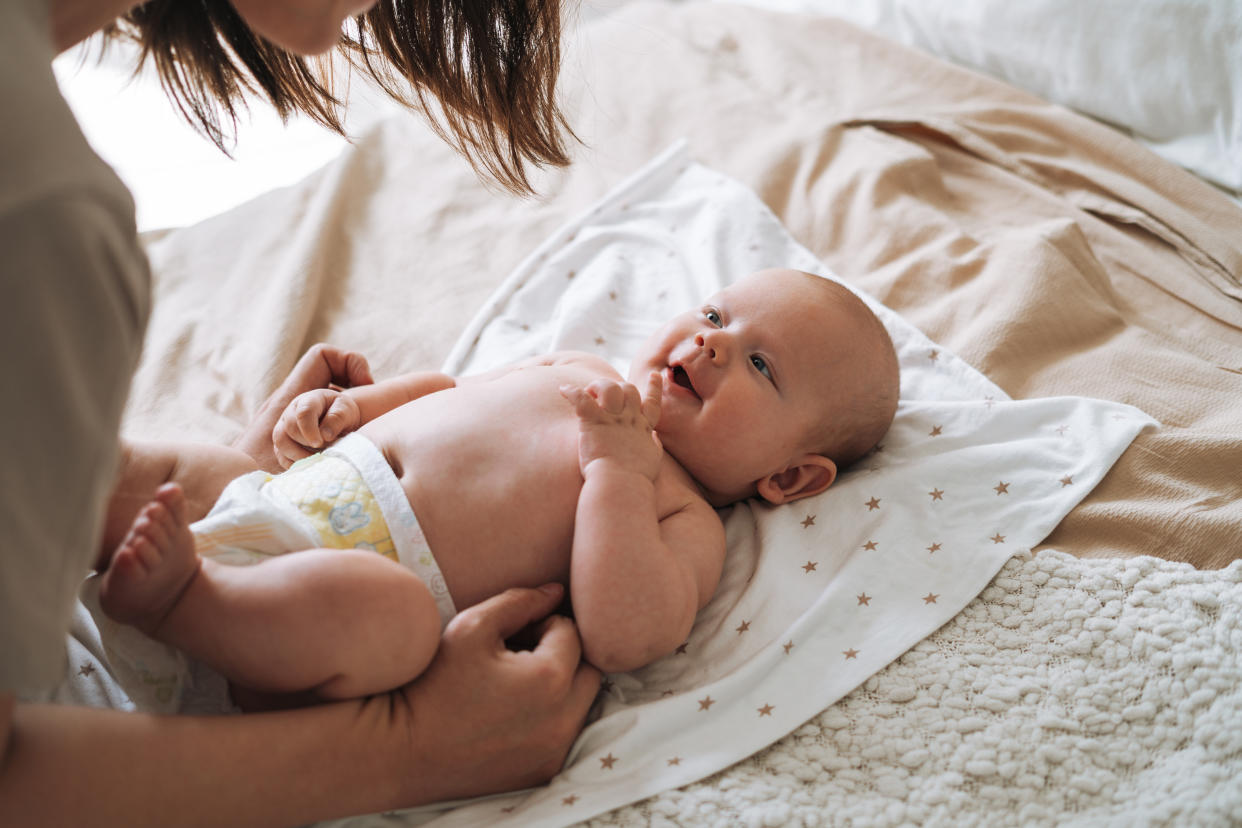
322 366
498 719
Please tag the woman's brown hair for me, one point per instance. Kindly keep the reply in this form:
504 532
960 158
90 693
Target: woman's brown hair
483 71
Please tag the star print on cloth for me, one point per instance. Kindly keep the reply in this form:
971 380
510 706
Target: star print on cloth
1001 488
608 761
846 574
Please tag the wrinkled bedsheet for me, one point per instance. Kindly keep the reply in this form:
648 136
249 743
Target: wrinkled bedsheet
1054 255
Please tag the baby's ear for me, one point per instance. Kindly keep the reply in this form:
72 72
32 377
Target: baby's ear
808 475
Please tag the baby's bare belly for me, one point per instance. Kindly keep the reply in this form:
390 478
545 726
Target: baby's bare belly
491 472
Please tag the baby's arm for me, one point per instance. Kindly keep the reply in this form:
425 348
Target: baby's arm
636 580
314 419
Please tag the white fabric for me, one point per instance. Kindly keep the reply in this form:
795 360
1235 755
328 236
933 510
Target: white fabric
819 595
1070 692
76 297
1168 71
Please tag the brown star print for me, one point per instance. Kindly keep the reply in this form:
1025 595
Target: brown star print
1067 480
934 548
676 760
873 504
850 653
934 356
742 627
864 600
86 669
930 598
809 566
935 432
766 710
606 762
808 521
870 546
937 494
682 649
1001 488
788 645
998 538
705 704
599 340
569 800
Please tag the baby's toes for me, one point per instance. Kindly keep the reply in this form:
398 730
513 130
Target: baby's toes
172 496
154 524
135 556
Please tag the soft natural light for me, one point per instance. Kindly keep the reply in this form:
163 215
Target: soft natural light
177 176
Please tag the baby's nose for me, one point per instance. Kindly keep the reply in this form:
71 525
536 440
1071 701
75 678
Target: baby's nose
712 353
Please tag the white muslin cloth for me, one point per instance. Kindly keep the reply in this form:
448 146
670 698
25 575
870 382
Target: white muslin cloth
817 595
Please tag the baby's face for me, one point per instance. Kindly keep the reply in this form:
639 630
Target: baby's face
744 378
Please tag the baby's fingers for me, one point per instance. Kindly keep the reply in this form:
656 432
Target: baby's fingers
652 399
342 417
306 410
286 449
614 396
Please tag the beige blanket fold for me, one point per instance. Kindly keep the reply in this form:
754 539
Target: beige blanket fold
1052 253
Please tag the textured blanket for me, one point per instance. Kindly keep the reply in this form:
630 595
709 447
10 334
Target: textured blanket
1070 692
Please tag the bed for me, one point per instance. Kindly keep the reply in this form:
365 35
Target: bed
1040 266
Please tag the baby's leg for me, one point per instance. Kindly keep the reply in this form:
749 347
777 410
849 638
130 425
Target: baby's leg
338 622
341 623
201 469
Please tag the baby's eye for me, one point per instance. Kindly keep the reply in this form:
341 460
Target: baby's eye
712 316
761 365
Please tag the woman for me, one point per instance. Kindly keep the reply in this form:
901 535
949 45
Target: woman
77 295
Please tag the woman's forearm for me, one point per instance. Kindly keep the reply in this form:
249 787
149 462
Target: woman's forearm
85 766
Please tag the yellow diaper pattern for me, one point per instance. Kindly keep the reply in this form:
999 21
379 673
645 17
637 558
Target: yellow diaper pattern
331 493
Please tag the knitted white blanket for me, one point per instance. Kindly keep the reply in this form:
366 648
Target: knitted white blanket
1069 692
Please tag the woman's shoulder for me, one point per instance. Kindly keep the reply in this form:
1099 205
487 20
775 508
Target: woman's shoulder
44 155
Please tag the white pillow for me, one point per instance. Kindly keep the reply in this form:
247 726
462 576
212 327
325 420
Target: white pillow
1167 71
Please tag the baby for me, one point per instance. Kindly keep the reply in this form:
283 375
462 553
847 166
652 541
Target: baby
552 469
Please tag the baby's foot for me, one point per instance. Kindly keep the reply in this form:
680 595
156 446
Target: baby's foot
153 565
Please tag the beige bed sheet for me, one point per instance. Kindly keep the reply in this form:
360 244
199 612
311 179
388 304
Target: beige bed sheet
1053 254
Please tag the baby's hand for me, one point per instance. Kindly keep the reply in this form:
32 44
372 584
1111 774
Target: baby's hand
616 426
312 421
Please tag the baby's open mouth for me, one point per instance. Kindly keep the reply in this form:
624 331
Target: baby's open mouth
680 377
